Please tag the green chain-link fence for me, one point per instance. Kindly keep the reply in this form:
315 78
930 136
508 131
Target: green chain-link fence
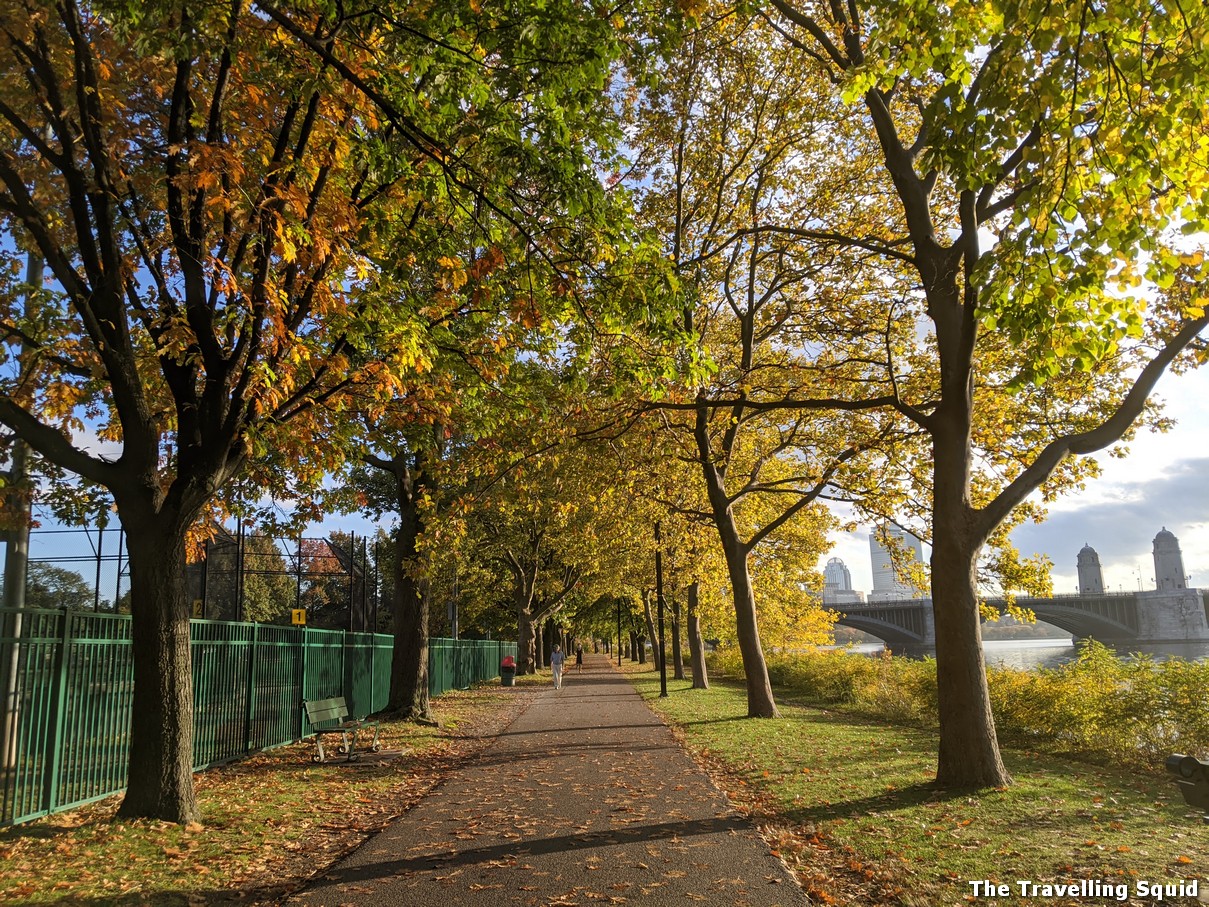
70 680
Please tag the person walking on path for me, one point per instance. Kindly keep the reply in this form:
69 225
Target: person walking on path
556 666
579 658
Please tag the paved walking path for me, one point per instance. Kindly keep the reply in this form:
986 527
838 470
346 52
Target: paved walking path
586 798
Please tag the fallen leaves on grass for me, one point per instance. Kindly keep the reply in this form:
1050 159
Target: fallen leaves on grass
272 821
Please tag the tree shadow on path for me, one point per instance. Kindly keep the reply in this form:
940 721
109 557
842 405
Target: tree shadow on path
538 847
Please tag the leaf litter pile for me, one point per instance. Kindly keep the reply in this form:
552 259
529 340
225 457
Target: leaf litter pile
270 823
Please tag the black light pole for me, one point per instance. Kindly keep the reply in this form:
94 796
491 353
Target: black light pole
659 605
619 632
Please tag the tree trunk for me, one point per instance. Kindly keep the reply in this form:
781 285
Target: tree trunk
409 696
656 648
677 652
969 748
526 643
637 647
760 702
160 779
696 645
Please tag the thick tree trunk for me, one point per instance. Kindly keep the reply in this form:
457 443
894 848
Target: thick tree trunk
160 779
637 647
696 645
969 748
409 696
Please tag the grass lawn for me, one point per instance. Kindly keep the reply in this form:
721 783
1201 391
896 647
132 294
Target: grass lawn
269 822
849 804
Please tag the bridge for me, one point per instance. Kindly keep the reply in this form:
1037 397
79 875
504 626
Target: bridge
1178 615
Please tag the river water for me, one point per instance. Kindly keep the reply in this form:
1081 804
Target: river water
1049 653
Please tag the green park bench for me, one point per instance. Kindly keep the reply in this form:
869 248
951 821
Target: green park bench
330 716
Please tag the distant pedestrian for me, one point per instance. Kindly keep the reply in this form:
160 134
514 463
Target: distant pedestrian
579 658
556 666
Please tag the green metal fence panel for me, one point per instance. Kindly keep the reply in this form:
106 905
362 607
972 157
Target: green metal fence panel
70 725
222 663
274 698
455 664
96 683
30 655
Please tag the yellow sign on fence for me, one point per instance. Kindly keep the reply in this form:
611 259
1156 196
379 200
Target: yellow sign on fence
298 617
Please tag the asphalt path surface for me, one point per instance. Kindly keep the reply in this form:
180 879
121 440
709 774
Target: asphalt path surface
585 799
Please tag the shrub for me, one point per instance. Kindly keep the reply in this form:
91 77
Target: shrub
1134 710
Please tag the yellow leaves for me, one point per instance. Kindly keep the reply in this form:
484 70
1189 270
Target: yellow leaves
453 273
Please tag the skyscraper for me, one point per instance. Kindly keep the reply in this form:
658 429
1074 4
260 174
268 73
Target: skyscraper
886 584
837 584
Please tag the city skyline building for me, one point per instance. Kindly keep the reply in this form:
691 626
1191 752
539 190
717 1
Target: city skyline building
837 584
887 586
1169 571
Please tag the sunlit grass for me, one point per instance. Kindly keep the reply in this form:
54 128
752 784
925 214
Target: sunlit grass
864 788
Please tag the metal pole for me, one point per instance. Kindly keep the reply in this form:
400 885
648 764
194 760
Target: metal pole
239 554
659 605
619 632
16 563
352 582
96 595
298 585
377 591
365 584
205 579
117 592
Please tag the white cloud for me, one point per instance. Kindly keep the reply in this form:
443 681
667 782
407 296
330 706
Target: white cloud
1162 482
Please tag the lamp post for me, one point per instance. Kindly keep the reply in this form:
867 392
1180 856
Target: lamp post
659 606
619 632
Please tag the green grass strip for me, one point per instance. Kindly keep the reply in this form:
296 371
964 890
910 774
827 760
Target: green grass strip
838 784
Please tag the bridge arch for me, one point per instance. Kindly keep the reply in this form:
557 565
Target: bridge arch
1082 623
905 624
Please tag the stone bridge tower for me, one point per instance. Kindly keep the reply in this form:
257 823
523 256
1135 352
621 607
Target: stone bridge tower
1168 562
1091 579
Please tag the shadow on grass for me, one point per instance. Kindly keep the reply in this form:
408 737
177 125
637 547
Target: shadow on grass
888 801
730 719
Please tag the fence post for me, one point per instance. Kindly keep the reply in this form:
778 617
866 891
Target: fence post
346 688
373 651
54 746
251 701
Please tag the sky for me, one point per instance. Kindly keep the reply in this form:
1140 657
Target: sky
1163 482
